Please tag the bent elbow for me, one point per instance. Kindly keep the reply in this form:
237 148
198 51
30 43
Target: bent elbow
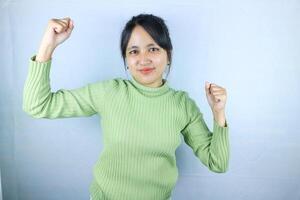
218 167
218 170
35 113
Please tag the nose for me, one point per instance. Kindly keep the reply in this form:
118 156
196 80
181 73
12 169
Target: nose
144 58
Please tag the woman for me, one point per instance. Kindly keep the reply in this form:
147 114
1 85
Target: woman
141 118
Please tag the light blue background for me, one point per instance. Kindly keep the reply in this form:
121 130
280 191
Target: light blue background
251 48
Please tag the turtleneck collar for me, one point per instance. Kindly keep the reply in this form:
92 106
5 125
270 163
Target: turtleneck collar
150 90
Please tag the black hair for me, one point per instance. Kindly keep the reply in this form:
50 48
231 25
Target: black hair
155 27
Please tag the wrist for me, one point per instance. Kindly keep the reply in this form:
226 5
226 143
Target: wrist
44 53
219 117
219 113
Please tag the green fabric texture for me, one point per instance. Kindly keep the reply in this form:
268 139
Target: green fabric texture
141 126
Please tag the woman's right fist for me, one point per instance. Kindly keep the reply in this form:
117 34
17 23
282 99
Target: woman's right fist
57 31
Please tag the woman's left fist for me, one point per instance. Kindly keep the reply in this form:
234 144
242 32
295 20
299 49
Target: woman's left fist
216 97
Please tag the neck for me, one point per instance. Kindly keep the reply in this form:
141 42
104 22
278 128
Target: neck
155 84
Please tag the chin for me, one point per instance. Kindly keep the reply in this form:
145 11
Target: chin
148 79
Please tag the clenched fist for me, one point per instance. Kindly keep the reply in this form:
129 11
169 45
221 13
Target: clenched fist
216 97
57 31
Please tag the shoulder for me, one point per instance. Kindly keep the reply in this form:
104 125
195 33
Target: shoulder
189 102
106 88
183 99
108 84
188 105
182 95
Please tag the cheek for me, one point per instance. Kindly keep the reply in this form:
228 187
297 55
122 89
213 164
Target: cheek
159 60
161 64
131 61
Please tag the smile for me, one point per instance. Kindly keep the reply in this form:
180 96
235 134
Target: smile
147 70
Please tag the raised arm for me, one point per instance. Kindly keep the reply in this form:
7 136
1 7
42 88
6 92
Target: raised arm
38 100
211 148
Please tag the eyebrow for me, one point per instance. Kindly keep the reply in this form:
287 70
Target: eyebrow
132 47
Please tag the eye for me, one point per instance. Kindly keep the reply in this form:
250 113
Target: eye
132 52
155 49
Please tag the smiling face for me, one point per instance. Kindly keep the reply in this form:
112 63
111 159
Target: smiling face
146 60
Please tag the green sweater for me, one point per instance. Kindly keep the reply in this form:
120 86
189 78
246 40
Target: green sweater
141 131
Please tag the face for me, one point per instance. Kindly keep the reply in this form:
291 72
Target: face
146 60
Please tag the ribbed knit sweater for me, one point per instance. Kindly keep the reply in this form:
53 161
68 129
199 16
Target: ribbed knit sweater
141 131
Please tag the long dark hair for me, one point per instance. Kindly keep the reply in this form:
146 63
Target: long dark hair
155 27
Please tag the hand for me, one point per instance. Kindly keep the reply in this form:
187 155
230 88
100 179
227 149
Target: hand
57 31
216 97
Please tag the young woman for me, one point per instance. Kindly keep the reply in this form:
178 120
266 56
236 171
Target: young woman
142 118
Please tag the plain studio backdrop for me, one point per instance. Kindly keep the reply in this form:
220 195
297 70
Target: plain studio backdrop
251 48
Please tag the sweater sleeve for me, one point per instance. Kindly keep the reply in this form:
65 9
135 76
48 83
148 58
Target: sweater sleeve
211 148
40 102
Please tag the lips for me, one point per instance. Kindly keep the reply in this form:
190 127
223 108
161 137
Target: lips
146 70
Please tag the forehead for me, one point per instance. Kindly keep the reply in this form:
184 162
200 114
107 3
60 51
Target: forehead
140 38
